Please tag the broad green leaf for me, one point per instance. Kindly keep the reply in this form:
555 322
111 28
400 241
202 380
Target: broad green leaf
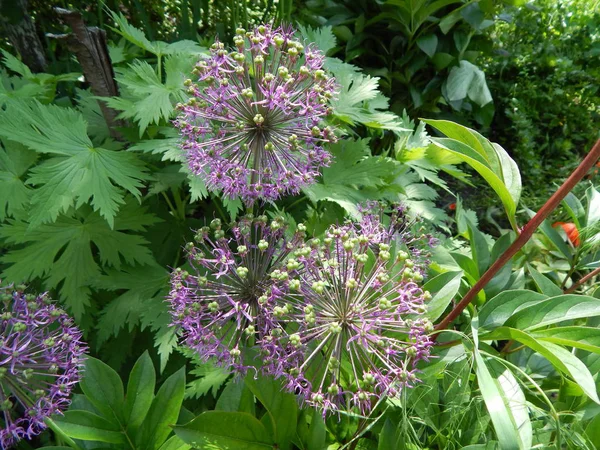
89 427
562 359
79 172
490 160
499 309
317 432
387 436
174 443
479 248
544 284
282 407
225 431
554 310
593 206
443 288
163 412
236 397
504 423
513 397
140 392
575 210
468 80
585 338
428 43
103 388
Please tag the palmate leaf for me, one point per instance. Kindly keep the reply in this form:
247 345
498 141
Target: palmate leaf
79 172
149 99
143 304
352 169
63 251
359 101
15 160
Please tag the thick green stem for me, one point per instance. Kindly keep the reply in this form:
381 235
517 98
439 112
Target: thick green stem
526 233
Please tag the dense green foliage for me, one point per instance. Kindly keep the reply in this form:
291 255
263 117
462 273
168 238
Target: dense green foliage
100 221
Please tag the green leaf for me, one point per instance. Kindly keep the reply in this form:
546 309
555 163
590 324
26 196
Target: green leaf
236 397
585 338
479 248
15 161
387 436
163 413
145 290
428 43
515 400
103 388
174 443
282 408
497 406
544 284
225 431
317 432
79 173
489 159
211 379
140 392
322 37
593 206
468 80
499 309
359 101
444 288
352 169
554 310
53 250
89 427
560 358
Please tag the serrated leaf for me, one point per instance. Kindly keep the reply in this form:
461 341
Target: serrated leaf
322 37
15 160
211 379
51 251
80 172
359 101
352 169
154 100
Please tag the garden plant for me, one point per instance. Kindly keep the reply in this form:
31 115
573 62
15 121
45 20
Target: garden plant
248 243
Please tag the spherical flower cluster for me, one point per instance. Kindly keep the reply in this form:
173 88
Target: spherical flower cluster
252 128
225 306
354 329
40 362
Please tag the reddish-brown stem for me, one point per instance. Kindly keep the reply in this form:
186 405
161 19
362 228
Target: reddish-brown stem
526 233
590 275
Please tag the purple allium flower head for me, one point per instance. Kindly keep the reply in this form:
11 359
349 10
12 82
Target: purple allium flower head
253 129
356 326
226 305
40 362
